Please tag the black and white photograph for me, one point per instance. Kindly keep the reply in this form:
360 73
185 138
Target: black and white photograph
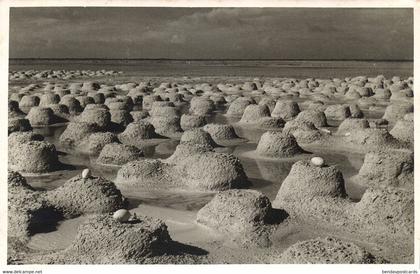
209 135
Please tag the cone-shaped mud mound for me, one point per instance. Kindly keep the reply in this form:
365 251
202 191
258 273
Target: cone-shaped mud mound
286 110
77 134
224 135
314 116
387 168
97 141
190 168
243 214
86 195
118 154
103 240
278 145
327 251
198 137
34 157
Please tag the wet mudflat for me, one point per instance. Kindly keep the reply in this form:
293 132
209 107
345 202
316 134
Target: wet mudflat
177 154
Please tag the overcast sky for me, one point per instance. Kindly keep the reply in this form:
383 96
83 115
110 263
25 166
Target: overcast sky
243 33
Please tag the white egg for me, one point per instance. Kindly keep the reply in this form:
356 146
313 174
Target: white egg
317 161
347 134
122 215
86 173
326 131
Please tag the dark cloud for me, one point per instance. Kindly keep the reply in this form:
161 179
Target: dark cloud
246 33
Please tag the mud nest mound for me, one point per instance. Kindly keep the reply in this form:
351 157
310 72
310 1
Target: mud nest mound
15 180
14 96
201 106
96 106
409 117
237 107
32 211
164 109
267 101
49 99
34 157
329 182
88 86
42 116
148 100
16 138
191 167
315 105
98 98
142 130
85 100
212 171
327 251
386 168
259 116
137 93
356 112
60 91
79 196
27 210
402 96
118 154
337 112
121 117
311 190
97 141
99 116
252 113
278 145
223 134
61 111
139 115
125 103
381 93
198 137
305 132
242 214
72 103
174 97
386 211
189 121
18 124
316 117
77 134
286 110
148 173
404 131
28 101
104 240
167 126
14 111
372 138
317 194
185 150
351 124
396 111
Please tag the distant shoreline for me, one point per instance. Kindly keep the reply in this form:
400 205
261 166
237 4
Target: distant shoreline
207 60
231 67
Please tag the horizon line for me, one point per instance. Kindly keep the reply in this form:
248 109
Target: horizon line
209 59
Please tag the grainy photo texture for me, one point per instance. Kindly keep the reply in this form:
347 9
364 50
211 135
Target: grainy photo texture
142 135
